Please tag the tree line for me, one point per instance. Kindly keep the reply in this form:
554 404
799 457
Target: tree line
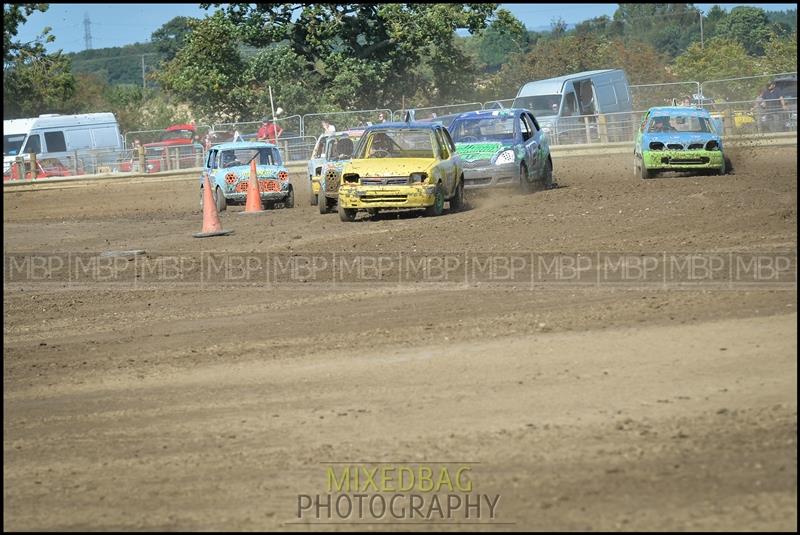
338 57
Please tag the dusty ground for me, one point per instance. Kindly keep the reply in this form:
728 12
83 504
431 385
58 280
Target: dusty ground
171 406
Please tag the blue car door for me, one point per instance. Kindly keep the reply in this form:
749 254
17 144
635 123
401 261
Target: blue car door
530 137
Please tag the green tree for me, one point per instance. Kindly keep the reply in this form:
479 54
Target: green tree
505 35
780 55
171 37
34 82
14 16
749 26
670 28
34 85
720 59
209 71
711 21
379 47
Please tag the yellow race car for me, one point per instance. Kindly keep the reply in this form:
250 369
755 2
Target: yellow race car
402 166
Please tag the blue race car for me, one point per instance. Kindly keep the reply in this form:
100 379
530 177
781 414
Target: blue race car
678 138
228 168
502 148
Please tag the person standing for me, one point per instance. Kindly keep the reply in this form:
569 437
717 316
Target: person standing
328 128
270 131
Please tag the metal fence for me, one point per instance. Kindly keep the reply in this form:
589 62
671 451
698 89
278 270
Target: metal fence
153 136
248 130
343 120
648 95
432 112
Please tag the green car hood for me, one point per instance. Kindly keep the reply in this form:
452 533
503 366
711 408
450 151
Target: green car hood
470 152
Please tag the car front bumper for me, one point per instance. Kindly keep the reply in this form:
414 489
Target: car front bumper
682 159
265 196
489 176
366 197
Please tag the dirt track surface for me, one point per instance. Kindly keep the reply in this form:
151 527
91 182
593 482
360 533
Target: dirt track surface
180 407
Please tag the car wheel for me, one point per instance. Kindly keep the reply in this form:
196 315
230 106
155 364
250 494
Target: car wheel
437 207
644 172
524 181
314 198
219 198
289 201
324 207
547 179
457 202
727 166
347 214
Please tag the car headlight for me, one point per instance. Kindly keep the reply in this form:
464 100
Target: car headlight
418 177
507 156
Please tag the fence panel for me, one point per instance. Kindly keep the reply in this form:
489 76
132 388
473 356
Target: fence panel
296 148
248 130
743 109
434 112
344 120
153 136
648 95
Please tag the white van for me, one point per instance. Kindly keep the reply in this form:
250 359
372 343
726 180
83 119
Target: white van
63 137
567 106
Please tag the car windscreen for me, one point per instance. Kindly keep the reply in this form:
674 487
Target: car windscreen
401 143
12 144
474 129
543 105
234 157
680 123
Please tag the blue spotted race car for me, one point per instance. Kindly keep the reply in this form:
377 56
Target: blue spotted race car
228 169
678 138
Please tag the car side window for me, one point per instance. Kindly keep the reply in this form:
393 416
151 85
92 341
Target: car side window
644 121
525 128
449 140
533 122
276 157
444 152
211 162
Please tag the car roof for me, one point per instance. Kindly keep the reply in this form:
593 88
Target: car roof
414 125
243 145
679 110
504 112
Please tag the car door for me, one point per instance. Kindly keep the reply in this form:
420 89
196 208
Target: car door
540 150
445 161
637 146
530 142
455 157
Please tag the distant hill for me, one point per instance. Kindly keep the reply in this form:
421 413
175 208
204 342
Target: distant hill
116 65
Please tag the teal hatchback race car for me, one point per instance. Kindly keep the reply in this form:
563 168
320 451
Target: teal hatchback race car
228 169
678 138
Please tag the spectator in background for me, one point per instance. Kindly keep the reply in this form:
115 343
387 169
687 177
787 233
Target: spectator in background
328 128
269 131
381 117
687 101
771 103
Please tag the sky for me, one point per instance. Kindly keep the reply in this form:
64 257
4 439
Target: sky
124 24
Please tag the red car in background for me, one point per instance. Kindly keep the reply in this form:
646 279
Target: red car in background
49 167
183 136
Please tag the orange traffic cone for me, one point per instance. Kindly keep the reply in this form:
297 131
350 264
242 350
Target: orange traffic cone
253 204
211 223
